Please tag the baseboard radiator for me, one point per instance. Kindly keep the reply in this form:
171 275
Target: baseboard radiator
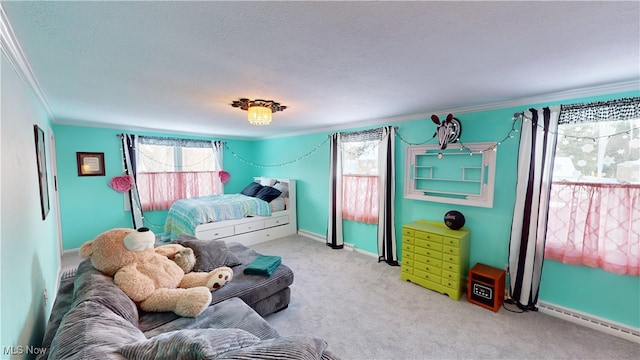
591 321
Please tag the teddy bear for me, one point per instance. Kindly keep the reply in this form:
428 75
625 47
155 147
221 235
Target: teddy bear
151 278
183 256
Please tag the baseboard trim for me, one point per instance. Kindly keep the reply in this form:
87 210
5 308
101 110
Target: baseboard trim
607 326
312 236
323 239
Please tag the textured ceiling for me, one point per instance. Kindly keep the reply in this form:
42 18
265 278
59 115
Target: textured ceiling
177 66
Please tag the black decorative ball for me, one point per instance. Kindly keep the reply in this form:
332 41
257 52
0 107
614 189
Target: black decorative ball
454 219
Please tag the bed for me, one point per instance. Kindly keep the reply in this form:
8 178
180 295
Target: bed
236 217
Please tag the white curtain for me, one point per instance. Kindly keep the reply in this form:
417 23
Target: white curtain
528 229
334 226
386 218
129 143
217 158
216 146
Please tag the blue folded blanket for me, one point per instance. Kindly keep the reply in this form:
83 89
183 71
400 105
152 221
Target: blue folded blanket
263 265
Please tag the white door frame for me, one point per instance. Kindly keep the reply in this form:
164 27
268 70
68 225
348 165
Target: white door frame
56 198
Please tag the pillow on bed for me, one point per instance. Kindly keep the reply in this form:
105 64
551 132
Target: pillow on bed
267 181
283 187
267 193
251 189
210 254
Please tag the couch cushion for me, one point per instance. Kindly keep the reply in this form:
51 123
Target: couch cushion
252 288
232 313
284 348
210 254
189 344
92 285
91 330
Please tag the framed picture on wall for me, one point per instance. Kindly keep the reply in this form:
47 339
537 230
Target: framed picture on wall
90 163
42 170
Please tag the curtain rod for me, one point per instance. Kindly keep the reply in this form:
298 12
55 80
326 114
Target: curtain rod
119 135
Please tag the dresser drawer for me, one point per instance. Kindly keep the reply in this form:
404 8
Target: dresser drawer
429 244
408 255
407 248
428 268
450 284
407 232
407 269
408 239
428 252
427 276
450 275
428 260
451 267
248 227
276 221
406 261
454 259
450 250
451 241
428 236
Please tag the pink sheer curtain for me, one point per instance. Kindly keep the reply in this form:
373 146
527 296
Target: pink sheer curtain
596 225
158 190
360 198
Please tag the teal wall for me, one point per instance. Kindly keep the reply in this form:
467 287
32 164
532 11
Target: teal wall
592 291
88 205
312 174
613 297
29 251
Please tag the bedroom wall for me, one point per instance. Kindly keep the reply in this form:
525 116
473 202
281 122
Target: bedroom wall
88 205
609 296
29 255
490 227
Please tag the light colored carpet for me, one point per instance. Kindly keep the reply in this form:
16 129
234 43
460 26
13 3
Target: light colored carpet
364 311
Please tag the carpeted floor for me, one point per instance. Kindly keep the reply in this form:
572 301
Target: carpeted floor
364 311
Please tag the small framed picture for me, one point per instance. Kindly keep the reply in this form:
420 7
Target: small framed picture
90 163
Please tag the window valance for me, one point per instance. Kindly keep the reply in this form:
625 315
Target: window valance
189 143
363 135
613 110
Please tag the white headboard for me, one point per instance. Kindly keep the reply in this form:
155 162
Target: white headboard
291 184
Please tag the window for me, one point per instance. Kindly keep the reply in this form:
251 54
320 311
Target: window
171 169
598 152
360 181
594 209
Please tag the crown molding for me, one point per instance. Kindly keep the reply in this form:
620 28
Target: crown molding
599 90
12 50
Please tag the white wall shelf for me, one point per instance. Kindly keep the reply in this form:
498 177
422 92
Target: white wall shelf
451 176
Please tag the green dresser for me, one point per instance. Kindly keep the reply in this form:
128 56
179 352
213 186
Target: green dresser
435 257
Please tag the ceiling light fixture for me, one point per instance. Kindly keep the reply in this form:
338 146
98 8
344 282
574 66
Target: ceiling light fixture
259 111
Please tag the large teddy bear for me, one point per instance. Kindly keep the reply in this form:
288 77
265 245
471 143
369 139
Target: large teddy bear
149 276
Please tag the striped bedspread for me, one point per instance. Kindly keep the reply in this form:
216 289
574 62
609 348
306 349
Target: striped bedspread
184 215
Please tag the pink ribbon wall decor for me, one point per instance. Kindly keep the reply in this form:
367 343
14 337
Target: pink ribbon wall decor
122 183
224 176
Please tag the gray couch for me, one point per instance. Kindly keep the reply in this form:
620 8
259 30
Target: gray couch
92 318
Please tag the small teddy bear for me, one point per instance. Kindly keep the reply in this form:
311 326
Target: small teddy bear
183 256
151 278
